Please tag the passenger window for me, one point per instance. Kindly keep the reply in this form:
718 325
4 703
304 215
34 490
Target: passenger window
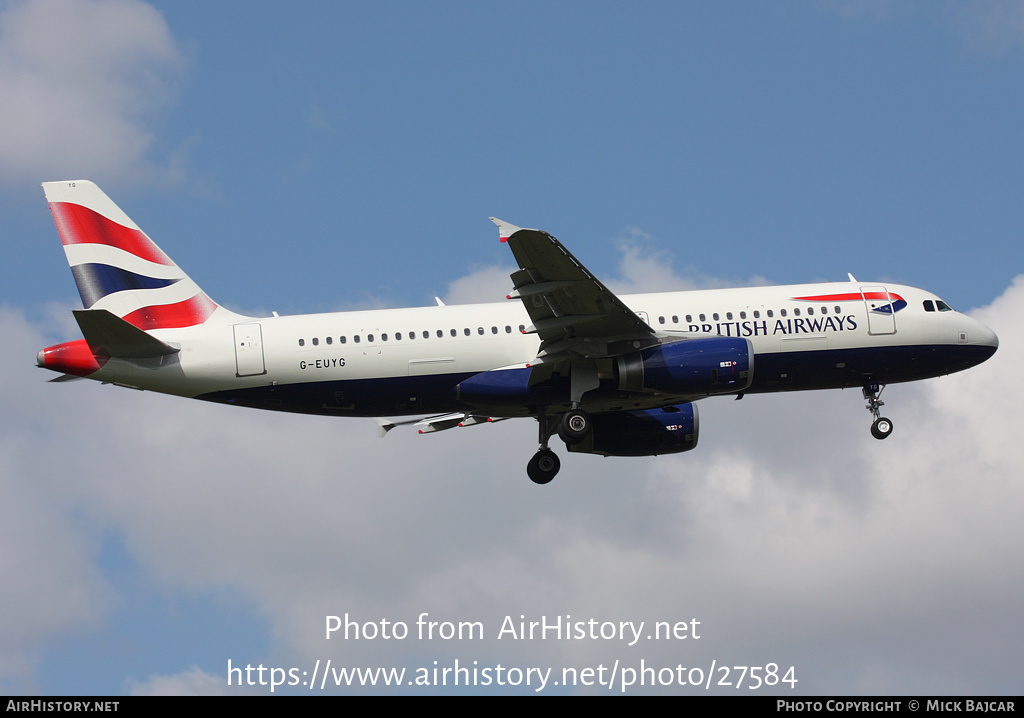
728 316
315 341
369 338
440 334
356 339
824 310
757 314
715 316
661 320
398 336
508 329
466 331
341 340
782 313
703 317
796 312
454 333
383 337
494 330
329 340
522 328
480 331
770 314
689 319
810 311
675 319
839 310
302 342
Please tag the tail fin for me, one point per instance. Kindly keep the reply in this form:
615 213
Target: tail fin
117 267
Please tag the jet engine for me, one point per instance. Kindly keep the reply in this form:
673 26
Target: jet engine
693 367
669 430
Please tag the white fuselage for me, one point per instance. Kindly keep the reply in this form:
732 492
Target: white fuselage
795 330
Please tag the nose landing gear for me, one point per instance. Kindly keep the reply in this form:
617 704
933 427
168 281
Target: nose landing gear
881 427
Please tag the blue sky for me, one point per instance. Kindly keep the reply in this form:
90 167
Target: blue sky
327 156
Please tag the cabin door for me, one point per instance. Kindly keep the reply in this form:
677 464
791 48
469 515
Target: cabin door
881 312
249 350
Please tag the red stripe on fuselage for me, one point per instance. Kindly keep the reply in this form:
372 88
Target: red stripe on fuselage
172 316
80 225
851 296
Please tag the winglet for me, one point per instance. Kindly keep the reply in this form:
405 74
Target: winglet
384 426
505 230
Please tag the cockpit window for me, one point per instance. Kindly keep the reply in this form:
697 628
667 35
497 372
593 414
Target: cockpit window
929 305
943 307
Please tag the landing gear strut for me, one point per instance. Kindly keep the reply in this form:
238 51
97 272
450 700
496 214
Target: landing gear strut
880 427
544 464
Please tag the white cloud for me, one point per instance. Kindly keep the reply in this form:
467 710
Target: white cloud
791 534
192 682
52 587
487 284
647 268
80 81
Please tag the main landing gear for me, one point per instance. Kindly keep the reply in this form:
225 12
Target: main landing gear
544 464
574 426
880 427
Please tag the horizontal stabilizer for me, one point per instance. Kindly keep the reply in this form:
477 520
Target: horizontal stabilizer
110 335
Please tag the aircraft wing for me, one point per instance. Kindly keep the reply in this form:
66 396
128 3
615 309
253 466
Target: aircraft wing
571 311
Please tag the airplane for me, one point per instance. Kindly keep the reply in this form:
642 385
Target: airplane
608 375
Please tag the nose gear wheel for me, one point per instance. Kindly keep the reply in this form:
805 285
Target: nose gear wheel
881 427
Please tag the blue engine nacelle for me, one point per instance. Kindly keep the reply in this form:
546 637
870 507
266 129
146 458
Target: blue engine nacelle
691 367
642 433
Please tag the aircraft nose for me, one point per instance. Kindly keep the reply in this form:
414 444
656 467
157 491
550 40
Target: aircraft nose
983 338
986 337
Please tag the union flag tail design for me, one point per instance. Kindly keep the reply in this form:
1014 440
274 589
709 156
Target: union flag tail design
117 267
